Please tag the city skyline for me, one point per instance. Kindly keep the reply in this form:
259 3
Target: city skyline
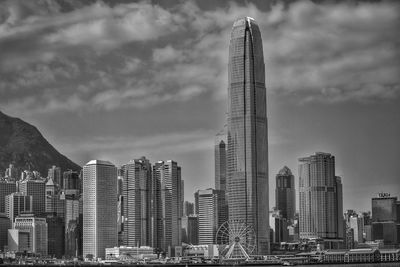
356 115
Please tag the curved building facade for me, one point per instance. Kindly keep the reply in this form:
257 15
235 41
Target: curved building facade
247 153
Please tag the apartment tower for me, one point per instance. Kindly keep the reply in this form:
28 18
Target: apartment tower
136 195
166 205
319 203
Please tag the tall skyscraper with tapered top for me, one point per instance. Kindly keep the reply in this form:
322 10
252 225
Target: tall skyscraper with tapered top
247 153
220 161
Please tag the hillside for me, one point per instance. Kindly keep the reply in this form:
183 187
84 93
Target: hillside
24 146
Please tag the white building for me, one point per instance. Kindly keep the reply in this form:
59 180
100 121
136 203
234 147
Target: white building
99 208
211 213
130 252
206 251
28 234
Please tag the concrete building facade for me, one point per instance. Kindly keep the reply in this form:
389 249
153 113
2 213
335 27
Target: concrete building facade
99 208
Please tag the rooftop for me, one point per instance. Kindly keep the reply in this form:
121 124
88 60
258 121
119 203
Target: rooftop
285 171
99 162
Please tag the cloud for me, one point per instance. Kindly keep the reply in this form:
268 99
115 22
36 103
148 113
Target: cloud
348 47
138 55
116 26
167 54
154 146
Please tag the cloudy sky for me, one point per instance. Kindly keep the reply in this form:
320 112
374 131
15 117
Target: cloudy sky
120 80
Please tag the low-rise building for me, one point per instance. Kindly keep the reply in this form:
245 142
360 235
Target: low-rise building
37 238
124 252
19 240
204 251
390 255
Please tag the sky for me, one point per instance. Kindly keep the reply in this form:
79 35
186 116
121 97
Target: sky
117 80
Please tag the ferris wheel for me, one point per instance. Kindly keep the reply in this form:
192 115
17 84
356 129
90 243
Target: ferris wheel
237 239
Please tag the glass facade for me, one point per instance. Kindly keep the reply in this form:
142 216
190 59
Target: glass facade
247 153
136 194
319 203
285 195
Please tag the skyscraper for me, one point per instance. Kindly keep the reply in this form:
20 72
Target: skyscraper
220 162
136 194
16 204
36 189
71 182
55 202
340 218
319 203
285 194
385 219
5 224
73 227
99 207
190 229
188 208
72 221
212 214
167 204
55 236
55 174
6 188
247 153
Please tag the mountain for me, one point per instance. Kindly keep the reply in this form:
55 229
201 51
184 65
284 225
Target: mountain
24 146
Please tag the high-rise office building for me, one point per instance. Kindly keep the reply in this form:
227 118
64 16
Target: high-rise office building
247 152
385 219
190 229
55 200
319 203
136 195
99 207
72 226
119 207
181 197
16 204
55 174
55 235
167 205
71 182
37 229
220 161
188 208
339 212
285 194
36 189
356 223
6 188
212 214
5 224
